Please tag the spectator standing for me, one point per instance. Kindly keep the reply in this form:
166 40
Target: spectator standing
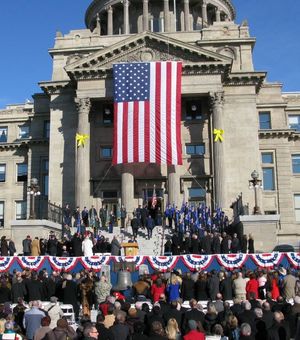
239 287
62 331
102 289
35 247
85 217
135 226
111 222
250 244
11 248
32 320
115 246
150 226
123 214
194 333
54 311
70 293
235 244
288 285
103 215
18 289
52 245
4 246
42 331
27 246
87 246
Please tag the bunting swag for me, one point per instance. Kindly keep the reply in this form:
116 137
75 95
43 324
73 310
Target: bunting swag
138 260
5 263
63 263
201 262
267 260
94 262
294 259
232 261
31 262
163 263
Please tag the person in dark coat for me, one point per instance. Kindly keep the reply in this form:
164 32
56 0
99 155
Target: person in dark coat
206 243
18 290
5 293
150 226
115 247
143 216
213 285
11 248
135 226
235 244
34 288
216 244
26 243
76 245
175 244
103 332
201 288
70 293
225 244
195 245
120 329
173 313
187 288
4 246
244 243
195 313
52 245
226 287
250 244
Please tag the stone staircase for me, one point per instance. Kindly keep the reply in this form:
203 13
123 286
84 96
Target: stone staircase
153 247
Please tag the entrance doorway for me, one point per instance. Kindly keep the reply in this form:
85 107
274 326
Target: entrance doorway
111 205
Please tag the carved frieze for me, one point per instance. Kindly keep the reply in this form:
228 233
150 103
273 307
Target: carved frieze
83 105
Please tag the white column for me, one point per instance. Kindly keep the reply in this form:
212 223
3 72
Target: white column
110 20
145 15
204 13
218 14
126 16
127 188
166 16
82 184
173 186
216 99
186 15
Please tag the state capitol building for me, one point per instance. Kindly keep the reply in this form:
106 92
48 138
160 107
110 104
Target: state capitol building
40 162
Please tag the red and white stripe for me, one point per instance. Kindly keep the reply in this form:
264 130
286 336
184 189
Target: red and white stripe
150 131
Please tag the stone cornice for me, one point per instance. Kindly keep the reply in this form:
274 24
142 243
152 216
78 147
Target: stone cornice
54 87
290 134
271 105
246 79
23 144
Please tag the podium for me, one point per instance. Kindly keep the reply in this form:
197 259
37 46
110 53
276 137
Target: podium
130 249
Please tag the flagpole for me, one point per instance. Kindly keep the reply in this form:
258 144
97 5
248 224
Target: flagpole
163 228
175 19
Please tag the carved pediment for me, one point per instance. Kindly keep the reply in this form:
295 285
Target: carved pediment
145 47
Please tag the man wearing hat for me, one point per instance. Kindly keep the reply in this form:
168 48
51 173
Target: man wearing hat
54 311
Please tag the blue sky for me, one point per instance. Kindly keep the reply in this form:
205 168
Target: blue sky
28 29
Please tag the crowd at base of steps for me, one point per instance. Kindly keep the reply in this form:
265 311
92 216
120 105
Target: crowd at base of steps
238 305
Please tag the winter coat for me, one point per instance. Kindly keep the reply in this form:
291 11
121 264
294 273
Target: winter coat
102 290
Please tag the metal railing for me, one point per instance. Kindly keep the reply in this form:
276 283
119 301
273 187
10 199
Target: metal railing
50 211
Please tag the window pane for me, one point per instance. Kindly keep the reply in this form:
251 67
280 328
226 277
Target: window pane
23 131
47 129
2 172
267 158
294 122
297 201
108 114
110 194
22 173
197 149
296 164
268 179
2 214
45 182
106 152
21 208
197 192
3 134
297 214
264 120
193 109
46 165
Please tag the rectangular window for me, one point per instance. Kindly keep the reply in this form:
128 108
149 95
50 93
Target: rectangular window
1 214
264 120
23 131
2 172
21 210
267 158
294 122
268 179
106 152
108 114
45 177
195 149
3 134
47 129
109 194
296 164
45 184
22 170
197 193
193 109
297 207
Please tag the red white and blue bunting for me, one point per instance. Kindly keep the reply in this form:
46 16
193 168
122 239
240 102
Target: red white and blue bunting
294 259
94 262
63 263
138 260
31 262
267 260
163 263
201 262
232 261
5 263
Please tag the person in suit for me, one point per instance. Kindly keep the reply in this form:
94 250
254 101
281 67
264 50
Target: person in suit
150 226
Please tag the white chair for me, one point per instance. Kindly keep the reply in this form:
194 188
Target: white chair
69 314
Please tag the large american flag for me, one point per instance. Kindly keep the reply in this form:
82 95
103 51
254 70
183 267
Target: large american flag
147 113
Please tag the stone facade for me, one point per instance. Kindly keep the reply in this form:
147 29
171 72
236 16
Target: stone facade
220 89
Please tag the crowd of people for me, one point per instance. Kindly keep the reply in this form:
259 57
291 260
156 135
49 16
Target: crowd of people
234 305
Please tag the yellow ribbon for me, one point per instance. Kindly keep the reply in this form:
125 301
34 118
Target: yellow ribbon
218 135
80 139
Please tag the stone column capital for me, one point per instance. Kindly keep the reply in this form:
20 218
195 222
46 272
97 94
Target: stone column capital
186 2
216 98
109 8
83 105
126 3
204 3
